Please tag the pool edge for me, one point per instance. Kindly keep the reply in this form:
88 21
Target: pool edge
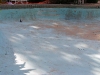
19 6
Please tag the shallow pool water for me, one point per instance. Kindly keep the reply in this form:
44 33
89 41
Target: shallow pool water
47 45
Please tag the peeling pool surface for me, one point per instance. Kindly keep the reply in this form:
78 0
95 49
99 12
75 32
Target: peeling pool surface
48 47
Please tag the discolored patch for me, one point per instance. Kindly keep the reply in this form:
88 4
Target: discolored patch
91 32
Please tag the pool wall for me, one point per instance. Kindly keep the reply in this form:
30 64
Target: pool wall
49 14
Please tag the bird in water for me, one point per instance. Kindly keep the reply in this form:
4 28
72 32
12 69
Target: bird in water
20 20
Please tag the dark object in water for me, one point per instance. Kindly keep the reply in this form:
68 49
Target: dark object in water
20 20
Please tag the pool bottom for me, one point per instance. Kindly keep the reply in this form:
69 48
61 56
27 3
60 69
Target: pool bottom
48 47
82 29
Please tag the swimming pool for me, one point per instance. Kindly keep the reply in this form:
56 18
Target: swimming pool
50 41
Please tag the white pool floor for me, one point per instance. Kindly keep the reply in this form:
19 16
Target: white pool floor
49 48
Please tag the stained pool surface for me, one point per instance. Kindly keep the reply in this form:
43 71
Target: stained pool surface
50 41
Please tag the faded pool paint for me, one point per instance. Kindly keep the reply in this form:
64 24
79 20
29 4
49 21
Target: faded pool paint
49 13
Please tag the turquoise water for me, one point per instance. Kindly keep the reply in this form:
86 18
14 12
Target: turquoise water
49 13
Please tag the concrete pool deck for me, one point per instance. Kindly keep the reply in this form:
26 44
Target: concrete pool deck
48 42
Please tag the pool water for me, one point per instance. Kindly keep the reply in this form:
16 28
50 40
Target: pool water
49 41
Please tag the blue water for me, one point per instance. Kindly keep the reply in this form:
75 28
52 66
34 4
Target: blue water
50 14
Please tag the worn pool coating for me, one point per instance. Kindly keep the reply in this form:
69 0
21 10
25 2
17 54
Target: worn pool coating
48 42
